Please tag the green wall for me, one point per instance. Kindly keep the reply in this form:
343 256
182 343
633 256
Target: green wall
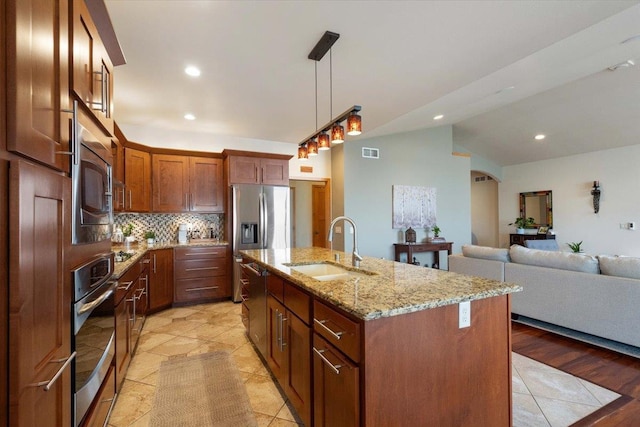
419 158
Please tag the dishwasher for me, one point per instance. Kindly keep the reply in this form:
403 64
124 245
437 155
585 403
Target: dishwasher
257 304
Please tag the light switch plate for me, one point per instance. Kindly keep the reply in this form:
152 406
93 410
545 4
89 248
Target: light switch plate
464 320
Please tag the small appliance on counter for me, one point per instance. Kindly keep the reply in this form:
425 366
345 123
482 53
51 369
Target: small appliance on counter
182 234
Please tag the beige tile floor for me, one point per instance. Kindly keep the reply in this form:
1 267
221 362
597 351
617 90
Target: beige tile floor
542 396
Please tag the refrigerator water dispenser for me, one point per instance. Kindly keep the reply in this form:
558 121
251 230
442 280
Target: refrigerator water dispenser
249 233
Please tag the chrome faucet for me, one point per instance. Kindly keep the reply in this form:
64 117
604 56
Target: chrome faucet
355 256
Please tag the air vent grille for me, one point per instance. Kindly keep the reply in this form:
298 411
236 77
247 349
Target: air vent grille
483 178
370 153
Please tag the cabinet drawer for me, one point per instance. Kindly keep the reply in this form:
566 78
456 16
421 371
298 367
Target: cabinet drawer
102 402
200 268
298 302
275 286
245 316
126 282
201 289
205 252
339 330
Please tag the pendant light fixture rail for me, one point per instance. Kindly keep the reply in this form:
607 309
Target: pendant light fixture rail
327 127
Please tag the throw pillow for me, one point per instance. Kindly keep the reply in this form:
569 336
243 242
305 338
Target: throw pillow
486 252
620 266
559 260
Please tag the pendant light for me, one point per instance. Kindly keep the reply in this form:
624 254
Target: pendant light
302 152
323 141
320 140
337 134
312 148
354 124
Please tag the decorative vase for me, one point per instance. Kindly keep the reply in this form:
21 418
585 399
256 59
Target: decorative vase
151 241
519 230
410 235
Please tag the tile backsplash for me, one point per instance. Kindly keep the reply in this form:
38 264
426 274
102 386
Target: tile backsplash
166 225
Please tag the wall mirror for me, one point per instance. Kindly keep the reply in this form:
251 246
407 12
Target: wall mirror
537 205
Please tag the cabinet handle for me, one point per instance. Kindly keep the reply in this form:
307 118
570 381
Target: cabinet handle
101 104
125 288
48 384
93 304
206 288
282 341
336 335
124 202
201 268
278 339
204 253
154 263
334 368
130 200
74 149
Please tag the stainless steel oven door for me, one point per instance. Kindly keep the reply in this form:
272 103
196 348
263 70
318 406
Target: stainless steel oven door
92 190
94 343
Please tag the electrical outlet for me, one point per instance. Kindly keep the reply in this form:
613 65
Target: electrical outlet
464 314
632 226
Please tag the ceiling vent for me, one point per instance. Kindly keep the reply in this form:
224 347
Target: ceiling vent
483 178
370 153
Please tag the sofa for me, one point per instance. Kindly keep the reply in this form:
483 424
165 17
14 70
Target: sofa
595 295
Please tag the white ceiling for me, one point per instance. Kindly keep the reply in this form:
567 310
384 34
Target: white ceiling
402 61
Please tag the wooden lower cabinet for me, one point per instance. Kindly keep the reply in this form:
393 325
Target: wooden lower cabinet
160 280
289 347
123 313
335 388
201 274
39 297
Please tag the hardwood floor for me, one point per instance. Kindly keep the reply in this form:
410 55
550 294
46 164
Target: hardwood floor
606 368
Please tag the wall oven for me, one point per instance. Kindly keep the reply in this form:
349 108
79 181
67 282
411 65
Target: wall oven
93 328
91 192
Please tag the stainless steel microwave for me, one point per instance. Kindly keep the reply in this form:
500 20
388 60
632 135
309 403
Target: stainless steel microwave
92 198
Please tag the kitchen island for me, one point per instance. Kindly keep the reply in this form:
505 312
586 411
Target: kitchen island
386 344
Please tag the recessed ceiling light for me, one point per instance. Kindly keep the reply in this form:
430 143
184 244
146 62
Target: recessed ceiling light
192 71
438 117
540 137
189 116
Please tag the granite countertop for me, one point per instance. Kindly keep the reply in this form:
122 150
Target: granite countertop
395 288
140 248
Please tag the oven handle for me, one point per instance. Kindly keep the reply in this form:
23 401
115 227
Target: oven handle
93 304
48 384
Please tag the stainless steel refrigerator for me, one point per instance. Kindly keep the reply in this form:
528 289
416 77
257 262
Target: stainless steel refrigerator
261 220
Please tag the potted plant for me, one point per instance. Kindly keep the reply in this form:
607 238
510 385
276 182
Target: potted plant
521 223
150 235
575 247
436 230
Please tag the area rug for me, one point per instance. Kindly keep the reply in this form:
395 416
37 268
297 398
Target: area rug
202 390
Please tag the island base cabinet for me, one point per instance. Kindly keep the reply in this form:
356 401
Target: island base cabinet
336 387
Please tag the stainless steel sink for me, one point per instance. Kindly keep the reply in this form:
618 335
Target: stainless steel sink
326 271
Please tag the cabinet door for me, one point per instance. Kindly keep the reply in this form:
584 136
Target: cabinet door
91 72
274 171
297 343
205 184
39 298
161 279
276 354
117 171
123 352
37 80
336 389
137 180
244 170
170 183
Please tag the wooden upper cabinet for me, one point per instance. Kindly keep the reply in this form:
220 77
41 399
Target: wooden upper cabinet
206 186
187 184
137 180
170 183
92 70
258 170
37 80
40 298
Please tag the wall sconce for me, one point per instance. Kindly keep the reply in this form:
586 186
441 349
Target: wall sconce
595 192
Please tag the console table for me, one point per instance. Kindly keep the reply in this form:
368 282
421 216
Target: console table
410 248
518 239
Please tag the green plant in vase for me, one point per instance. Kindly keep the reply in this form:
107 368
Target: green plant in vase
521 223
575 247
150 235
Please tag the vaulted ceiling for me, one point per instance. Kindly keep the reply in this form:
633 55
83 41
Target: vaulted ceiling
499 71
